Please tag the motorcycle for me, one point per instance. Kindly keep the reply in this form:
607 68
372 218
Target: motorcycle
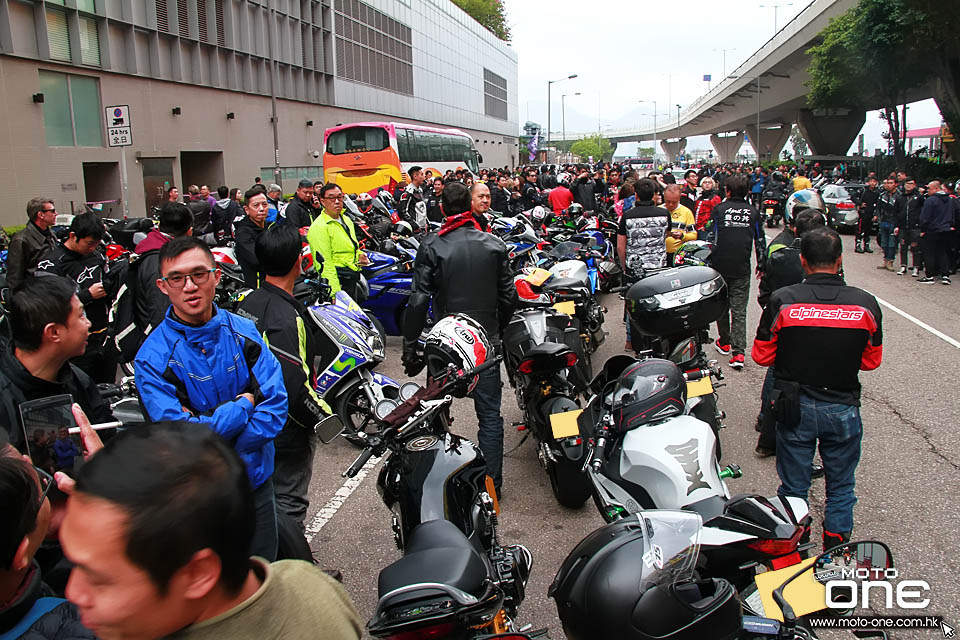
389 283
351 346
542 350
774 200
455 579
577 278
645 451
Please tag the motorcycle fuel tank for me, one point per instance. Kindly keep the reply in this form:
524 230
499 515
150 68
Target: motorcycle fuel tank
571 269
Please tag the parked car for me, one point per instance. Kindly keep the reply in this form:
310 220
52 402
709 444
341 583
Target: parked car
842 202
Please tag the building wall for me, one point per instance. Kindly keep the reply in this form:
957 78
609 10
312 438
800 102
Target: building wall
154 70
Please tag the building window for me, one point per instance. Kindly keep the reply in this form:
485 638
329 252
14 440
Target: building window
89 42
71 110
494 95
58 35
373 48
89 6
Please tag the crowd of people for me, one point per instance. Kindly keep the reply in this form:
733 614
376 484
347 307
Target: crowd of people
175 530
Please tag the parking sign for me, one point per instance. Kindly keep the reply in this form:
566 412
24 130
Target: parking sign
119 127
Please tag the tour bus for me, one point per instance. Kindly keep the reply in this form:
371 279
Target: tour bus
368 156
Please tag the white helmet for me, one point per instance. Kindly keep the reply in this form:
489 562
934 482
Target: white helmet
459 340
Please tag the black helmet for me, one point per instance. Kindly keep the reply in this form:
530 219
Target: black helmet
650 390
694 252
634 579
575 210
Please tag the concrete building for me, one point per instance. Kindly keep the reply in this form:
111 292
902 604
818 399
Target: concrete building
196 77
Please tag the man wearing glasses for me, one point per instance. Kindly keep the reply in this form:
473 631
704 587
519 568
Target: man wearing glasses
333 242
530 196
206 365
27 246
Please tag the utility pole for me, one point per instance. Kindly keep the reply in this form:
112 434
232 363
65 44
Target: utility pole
273 95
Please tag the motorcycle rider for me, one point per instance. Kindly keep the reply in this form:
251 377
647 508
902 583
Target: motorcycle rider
461 269
412 207
499 194
868 206
891 206
225 211
200 208
816 389
908 228
78 259
286 327
758 180
709 198
206 365
247 230
28 245
688 191
434 214
584 189
937 226
561 197
530 195
175 221
682 222
304 208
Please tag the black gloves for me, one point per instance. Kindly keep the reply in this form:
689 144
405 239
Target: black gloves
413 364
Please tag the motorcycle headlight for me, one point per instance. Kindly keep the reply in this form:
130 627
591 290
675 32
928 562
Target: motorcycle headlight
713 286
375 344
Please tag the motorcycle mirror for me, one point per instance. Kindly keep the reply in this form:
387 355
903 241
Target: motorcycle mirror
384 408
328 428
408 390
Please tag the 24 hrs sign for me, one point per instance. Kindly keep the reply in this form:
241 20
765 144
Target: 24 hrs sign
119 127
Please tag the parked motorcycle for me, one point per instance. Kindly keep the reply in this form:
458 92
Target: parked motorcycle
455 579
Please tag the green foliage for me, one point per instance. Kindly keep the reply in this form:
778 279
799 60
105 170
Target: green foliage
490 14
14 229
595 145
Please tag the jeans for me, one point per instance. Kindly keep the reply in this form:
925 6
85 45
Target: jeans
292 470
732 324
839 430
936 251
486 402
887 240
265 537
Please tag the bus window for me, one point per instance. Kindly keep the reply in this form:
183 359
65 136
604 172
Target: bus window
358 139
405 145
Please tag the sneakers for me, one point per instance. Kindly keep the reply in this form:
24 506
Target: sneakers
858 248
890 266
762 452
926 280
736 362
945 280
902 271
915 273
724 349
866 248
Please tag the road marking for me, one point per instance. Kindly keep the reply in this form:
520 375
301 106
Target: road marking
333 505
916 321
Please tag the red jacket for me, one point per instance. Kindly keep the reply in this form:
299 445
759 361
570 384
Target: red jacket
560 199
703 208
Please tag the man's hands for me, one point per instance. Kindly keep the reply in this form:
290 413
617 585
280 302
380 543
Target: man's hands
248 396
91 444
676 233
97 291
413 364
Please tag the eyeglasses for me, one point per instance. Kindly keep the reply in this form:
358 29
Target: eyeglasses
340 197
198 277
46 481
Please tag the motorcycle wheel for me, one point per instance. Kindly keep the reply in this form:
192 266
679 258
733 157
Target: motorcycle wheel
570 484
353 407
706 411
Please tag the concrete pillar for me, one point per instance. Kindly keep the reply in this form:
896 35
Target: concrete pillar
830 132
674 148
771 140
727 146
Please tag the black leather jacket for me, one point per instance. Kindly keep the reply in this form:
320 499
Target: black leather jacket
25 251
464 271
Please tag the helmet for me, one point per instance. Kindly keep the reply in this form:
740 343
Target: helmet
650 390
575 210
385 197
695 252
538 213
800 200
364 202
401 228
459 340
564 179
634 579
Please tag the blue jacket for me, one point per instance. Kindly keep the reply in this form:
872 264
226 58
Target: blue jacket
205 369
937 214
757 182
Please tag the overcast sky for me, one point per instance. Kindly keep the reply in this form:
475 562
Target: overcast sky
648 50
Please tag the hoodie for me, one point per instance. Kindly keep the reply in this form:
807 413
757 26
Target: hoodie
223 213
937 214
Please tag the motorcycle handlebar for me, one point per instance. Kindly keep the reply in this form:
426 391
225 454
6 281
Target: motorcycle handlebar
599 450
358 463
489 364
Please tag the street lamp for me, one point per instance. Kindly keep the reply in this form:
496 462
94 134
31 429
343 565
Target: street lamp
725 56
550 82
775 7
563 113
756 143
678 123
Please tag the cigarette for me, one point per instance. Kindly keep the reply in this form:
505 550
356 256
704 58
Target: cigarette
97 427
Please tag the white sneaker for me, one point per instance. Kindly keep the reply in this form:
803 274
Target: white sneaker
915 273
903 270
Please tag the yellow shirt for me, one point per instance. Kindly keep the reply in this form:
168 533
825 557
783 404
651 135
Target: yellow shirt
802 182
681 218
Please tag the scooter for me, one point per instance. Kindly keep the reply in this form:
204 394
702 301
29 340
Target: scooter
455 579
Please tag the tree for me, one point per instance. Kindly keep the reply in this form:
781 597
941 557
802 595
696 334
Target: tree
867 55
490 14
596 146
798 142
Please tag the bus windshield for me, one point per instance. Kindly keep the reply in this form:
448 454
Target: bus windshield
357 140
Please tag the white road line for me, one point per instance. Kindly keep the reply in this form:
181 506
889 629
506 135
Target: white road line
916 321
330 509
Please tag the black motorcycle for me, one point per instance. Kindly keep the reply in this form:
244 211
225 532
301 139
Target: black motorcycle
455 579
545 359
773 203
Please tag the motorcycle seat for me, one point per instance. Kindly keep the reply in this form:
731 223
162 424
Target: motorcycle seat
437 551
562 283
547 349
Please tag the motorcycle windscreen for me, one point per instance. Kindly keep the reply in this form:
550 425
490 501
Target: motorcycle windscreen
671 546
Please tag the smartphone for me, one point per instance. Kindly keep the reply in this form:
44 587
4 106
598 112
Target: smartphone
46 431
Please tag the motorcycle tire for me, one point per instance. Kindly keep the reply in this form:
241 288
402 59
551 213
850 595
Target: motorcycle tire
706 411
571 486
353 407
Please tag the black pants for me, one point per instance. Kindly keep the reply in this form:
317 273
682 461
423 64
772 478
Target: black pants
864 228
910 243
935 251
350 283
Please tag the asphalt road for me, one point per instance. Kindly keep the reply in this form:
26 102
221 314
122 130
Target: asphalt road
908 480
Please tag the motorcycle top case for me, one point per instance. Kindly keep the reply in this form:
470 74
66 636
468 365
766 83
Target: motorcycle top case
676 300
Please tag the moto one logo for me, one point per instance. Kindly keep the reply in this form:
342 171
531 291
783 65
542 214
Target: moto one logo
816 313
686 455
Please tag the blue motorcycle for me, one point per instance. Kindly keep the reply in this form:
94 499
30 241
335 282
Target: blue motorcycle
351 346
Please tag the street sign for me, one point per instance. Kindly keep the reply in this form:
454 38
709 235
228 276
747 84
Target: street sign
119 127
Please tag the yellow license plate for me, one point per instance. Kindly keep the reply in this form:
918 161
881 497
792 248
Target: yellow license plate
568 307
564 424
700 387
769 212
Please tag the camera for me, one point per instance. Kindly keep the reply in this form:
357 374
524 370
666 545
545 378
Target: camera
315 154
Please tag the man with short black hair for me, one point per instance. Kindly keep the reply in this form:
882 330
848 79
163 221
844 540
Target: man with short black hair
303 209
225 211
818 335
412 206
288 330
530 195
462 269
160 525
28 245
200 208
246 232
206 365
49 329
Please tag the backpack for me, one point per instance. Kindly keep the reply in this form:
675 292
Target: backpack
128 334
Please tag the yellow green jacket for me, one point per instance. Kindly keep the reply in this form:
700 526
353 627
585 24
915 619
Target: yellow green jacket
328 238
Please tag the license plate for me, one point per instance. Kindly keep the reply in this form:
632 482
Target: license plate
564 424
769 211
700 387
568 307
